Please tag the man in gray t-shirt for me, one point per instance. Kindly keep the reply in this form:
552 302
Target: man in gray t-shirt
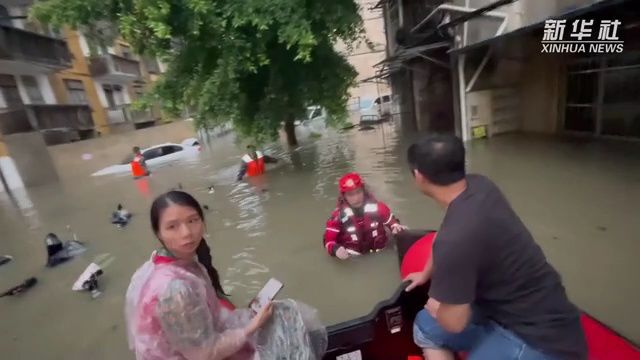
492 291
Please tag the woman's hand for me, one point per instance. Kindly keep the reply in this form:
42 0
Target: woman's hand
260 319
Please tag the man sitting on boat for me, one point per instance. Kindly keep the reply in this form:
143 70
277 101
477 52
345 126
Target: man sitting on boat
492 291
359 222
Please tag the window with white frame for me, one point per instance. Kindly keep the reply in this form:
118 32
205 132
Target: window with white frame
33 89
76 92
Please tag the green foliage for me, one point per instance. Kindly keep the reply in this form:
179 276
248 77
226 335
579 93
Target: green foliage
254 62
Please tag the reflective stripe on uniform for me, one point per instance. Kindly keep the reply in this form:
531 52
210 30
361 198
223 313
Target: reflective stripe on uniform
333 229
351 229
347 214
327 245
370 208
389 220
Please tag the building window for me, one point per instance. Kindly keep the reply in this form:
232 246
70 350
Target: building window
126 51
9 92
108 93
114 94
602 96
33 90
76 92
152 64
5 18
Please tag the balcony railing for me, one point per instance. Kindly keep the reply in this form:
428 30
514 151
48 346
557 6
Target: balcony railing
138 116
13 121
46 117
26 46
77 117
124 113
118 115
110 65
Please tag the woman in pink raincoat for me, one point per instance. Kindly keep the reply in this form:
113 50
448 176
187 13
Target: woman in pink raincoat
172 310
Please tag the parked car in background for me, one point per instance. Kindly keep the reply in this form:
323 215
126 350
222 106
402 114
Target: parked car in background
156 155
379 108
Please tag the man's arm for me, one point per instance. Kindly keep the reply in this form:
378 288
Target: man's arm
420 278
269 159
454 279
453 318
143 164
242 171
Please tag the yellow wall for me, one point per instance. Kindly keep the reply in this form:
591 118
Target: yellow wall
3 149
80 71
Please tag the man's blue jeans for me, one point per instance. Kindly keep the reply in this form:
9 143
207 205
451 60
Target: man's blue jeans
482 340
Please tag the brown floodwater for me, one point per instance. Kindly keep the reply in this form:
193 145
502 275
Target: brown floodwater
580 199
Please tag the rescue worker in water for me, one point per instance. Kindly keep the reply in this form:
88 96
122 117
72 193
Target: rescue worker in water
138 166
253 163
359 222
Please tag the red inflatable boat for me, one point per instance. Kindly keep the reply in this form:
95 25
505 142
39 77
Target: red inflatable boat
386 333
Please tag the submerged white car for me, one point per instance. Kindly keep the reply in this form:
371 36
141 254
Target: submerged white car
156 155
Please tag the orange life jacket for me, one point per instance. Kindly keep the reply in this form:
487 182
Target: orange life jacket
254 167
137 170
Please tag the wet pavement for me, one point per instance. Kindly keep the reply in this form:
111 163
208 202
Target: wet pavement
580 199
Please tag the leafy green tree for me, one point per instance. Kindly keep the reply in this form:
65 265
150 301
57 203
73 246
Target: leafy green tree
257 63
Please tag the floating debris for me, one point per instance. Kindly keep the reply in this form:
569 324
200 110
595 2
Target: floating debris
120 217
59 252
19 289
5 259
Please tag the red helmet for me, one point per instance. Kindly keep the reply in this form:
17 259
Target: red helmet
350 181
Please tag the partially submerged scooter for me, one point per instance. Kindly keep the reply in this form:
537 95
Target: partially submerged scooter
59 252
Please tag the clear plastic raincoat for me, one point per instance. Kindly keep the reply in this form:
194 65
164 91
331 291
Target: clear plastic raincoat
173 313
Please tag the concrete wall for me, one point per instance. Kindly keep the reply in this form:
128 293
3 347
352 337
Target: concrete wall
363 58
541 87
432 91
109 150
31 158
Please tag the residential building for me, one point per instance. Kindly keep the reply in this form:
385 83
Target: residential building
365 55
29 109
490 56
54 90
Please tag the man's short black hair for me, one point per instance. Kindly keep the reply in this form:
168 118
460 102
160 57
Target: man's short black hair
439 158
136 149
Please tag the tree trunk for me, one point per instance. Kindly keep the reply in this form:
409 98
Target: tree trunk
290 130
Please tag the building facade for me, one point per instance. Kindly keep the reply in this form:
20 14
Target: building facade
365 55
54 90
500 80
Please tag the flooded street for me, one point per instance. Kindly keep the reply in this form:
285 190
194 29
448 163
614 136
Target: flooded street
579 199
